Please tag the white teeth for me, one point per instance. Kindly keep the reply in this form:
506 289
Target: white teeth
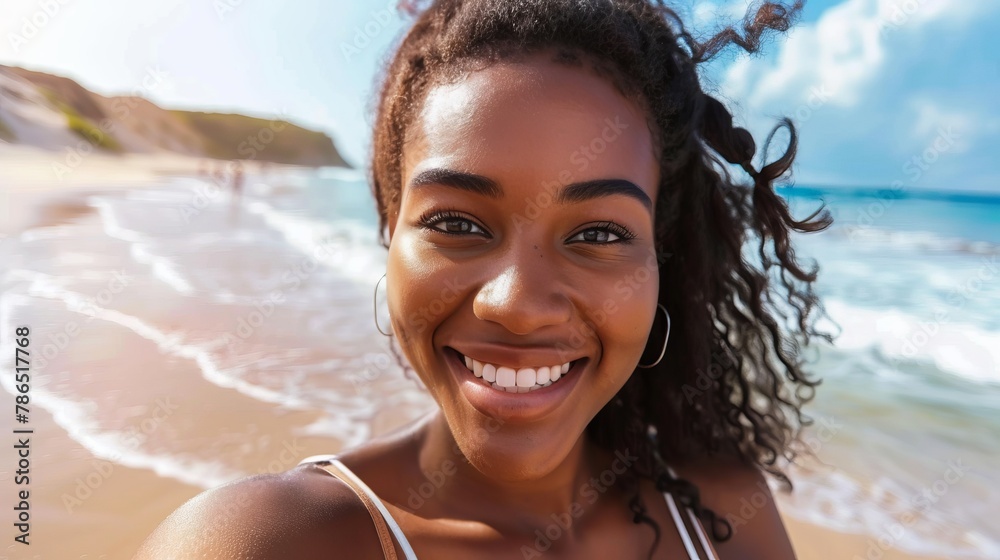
490 372
509 389
516 381
506 377
526 377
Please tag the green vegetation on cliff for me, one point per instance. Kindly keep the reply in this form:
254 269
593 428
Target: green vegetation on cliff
89 131
6 133
229 136
82 126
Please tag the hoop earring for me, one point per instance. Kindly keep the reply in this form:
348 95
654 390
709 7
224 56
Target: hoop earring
665 339
375 307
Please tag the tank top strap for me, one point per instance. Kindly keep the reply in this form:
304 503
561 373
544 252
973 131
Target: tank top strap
685 533
381 517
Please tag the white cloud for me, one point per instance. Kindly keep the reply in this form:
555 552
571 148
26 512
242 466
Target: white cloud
930 118
705 13
841 52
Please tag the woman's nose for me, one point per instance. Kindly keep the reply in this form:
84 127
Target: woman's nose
524 295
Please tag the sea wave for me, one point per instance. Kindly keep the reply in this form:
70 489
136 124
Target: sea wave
345 246
951 345
914 241
890 515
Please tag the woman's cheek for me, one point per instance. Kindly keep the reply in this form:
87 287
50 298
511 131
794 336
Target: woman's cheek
416 276
625 319
405 277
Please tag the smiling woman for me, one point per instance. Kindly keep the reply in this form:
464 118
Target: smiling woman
606 362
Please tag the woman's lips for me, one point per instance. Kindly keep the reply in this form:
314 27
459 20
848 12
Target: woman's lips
501 404
516 380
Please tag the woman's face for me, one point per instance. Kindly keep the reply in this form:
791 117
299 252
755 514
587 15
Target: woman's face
524 240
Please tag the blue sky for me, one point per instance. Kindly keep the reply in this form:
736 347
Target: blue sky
883 92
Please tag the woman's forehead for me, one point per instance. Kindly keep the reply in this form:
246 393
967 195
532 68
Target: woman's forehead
532 120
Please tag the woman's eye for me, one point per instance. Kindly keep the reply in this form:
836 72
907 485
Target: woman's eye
452 225
596 236
458 225
608 233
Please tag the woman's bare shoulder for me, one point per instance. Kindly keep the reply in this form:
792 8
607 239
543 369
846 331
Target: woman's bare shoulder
301 513
740 494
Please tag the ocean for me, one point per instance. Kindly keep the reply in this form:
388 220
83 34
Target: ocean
907 419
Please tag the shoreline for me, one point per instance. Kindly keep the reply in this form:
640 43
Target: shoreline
29 185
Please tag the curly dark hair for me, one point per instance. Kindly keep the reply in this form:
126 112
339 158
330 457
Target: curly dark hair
734 357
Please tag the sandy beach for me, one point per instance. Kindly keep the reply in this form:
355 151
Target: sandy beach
96 496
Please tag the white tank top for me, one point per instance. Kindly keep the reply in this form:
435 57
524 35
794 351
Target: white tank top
689 546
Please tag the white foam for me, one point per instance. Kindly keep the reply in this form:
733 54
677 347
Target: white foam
169 343
342 427
917 241
347 247
955 347
78 420
832 498
341 174
161 267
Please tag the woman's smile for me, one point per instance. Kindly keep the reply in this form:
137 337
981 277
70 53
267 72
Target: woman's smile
504 393
513 379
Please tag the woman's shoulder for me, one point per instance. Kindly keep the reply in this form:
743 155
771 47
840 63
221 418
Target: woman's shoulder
301 513
739 493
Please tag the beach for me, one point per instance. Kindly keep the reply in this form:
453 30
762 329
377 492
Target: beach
185 338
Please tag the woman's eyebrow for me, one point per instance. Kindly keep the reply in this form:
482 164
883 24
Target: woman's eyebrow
574 192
